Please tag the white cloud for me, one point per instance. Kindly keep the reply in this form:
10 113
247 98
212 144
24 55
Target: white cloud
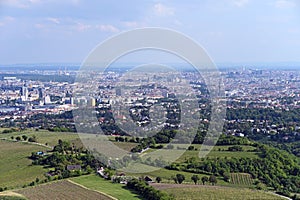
294 30
20 3
83 27
39 26
108 28
284 4
75 2
34 1
54 20
6 20
9 18
162 10
130 24
240 3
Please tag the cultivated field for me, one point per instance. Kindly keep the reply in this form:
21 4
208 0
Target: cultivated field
242 179
61 190
198 192
16 169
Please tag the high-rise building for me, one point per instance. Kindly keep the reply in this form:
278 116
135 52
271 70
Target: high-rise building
47 100
118 92
24 93
41 93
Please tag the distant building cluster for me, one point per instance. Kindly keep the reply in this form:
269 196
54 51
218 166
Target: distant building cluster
20 98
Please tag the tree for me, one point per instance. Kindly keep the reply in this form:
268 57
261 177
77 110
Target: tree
175 179
195 178
213 179
32 139
191 148
109 173
204 179
18 138
180 178
226 176
24 137
158 179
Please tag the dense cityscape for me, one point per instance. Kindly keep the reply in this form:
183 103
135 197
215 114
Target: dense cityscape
276 90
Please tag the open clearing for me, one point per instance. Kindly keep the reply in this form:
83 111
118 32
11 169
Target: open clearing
200 192
61 190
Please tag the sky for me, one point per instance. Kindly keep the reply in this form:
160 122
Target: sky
55 31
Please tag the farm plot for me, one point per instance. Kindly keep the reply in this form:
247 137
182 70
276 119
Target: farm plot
61 190
241 179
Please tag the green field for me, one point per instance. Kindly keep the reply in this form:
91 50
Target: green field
9 195
16 169
219 152
167 174
44 136
99 184
218 193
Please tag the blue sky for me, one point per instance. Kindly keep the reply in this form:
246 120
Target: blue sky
34 31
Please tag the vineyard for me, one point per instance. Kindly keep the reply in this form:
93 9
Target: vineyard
241 179
61 190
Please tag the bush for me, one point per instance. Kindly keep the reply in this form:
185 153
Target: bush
24 137
191 148
148 192
158 179
213 179
32 139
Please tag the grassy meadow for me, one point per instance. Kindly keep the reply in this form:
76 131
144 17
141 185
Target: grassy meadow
99 184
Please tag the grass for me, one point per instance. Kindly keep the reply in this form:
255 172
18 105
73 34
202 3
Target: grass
11 198
99 184
219 193
16 169
9 195
166 175
44 136
61 190
219 152
125 145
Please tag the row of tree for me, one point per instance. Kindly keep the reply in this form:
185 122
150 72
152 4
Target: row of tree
147 191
